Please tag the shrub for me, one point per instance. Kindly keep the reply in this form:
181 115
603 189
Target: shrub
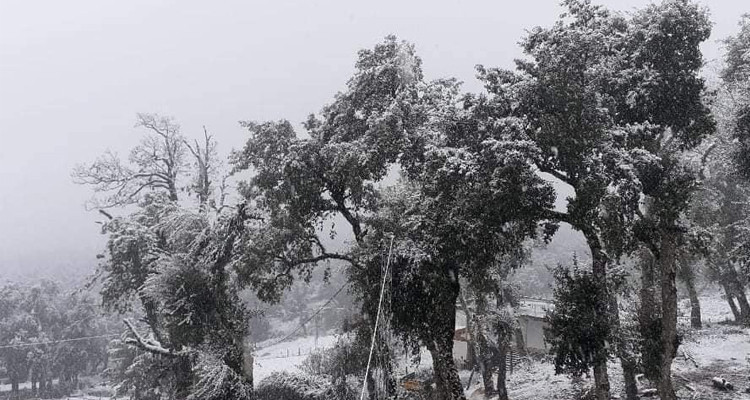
287 386
345 358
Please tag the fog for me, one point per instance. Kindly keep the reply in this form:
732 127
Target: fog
74 74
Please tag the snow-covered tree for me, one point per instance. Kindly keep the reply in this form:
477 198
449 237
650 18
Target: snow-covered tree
326 184
36 322
468 194
171 260
610 101
155 164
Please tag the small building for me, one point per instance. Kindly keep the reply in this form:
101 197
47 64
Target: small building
531 323
461 350
531 320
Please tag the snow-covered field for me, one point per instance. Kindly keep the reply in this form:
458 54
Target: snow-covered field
286 356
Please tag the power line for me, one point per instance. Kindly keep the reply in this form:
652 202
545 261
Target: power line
10 346
302 324
377 318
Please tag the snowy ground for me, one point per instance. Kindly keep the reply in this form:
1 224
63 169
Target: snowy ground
286 356
717 350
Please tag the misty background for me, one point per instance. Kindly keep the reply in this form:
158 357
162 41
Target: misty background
74 74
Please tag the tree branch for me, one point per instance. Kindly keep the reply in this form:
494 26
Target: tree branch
146 344
557 174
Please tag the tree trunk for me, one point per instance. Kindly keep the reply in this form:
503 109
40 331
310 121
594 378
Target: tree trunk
739 294
648 285
371 387
732 305
738 290
447 382
477 345
686 274
247 362
599 262
601 381
502 368
695 305
667 263
438 337
14 388
626 360
628 373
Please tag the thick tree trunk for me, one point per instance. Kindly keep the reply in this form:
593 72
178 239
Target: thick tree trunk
599 262
667 263
247 362
686 274
732 305
601 381
447 382
520 344
695 305
371 387
439 340
478 344
502 368
14 388
626 360
738 291
628 373
648 286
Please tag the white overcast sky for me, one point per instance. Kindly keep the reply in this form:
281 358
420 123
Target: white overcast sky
74 73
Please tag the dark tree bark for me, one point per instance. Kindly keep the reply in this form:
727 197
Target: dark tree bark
738 291
667 263
478 344
626 360
599 261
504 333
686 274
648 286
520 344
730 299
695 305
14 389
439 342
447 382
502 370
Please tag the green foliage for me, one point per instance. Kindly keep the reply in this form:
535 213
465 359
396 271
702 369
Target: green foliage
650 345
576 330
283 385
179 256
346 357
169 260
44 314
468 197
736 77
737 56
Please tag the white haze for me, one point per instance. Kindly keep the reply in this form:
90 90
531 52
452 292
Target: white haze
74 73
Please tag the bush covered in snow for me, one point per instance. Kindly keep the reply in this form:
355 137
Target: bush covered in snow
346 357
287 386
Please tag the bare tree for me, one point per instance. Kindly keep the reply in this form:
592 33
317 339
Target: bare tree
155 164
205 160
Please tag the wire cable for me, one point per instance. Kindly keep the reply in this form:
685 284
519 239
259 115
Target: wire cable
377 319
10 346
304 322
